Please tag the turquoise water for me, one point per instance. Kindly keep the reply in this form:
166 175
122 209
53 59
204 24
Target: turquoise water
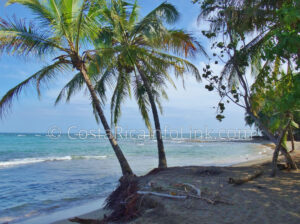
41 176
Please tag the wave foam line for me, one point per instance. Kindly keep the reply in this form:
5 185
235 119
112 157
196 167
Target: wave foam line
25 161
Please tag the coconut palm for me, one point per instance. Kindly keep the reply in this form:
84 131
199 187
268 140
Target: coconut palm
139 54
62 30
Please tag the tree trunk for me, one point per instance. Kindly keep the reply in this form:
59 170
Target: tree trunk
244 84
289 160
162 161
275 160
279 147
292 139
126 170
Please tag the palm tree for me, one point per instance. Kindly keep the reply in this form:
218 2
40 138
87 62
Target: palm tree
63 28
137 51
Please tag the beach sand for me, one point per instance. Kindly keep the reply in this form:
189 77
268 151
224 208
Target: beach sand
97 214
262 200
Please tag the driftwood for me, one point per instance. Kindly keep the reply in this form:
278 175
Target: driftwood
162 195
202 198
243 180
198 196
198 191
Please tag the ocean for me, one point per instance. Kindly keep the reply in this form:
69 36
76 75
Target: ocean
55 177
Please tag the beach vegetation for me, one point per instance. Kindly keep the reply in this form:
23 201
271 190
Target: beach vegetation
258 43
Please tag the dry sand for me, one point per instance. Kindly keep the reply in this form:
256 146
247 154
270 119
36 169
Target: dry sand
262 200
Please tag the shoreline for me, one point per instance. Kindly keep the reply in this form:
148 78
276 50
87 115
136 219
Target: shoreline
58 164
88 211
100 212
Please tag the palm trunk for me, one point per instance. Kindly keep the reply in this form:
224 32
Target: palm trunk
162 161
126 170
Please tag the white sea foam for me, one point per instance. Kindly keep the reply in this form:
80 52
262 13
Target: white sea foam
25 161
7 219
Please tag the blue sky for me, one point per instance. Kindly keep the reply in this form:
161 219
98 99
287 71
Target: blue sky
187 108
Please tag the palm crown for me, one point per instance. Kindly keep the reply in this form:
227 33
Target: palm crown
137 54
130 43
61 28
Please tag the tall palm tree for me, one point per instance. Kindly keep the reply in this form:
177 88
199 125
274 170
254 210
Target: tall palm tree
63 28
139 54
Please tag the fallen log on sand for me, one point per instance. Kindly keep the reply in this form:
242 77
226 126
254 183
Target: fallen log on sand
243 180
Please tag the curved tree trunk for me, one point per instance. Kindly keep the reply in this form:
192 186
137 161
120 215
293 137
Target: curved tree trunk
279 147
248 107
275 160
289 160
126 170
162 161
292 139
276 151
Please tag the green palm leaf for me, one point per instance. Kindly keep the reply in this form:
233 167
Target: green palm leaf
43 76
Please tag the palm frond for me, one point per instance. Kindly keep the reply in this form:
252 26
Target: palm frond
121 91
153 21
180 43
43 76
42 12
72 87
16 37
142 101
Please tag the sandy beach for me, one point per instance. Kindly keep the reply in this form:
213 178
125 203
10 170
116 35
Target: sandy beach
262 200
151 112
97 214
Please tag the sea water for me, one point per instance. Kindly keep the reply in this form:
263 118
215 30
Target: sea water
40 175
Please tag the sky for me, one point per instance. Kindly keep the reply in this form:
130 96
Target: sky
187 108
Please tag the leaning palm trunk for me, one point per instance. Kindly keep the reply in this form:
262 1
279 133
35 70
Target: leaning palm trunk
126 170
162 161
